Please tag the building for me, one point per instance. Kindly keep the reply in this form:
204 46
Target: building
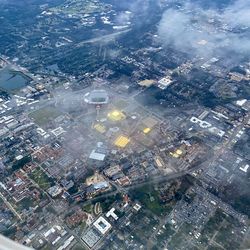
102 225
164 82
99 153
91 237
116 115
122 141
112 213
96 97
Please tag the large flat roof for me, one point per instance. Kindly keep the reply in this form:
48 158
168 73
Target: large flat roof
97 156
102 225
96 97
91 237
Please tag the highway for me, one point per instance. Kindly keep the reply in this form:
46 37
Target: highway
173 176
153 180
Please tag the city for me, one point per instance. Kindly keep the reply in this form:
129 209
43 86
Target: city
115 141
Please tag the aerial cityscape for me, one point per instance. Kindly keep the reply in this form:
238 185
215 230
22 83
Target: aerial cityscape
125 124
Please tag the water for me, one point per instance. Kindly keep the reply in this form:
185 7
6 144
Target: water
12 80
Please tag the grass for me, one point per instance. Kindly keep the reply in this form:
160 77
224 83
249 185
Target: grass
88 208
106 202
213 223
83 226
25 203
177 241
226 237
44 115
43 181
224 224
78 247
213 247
149 197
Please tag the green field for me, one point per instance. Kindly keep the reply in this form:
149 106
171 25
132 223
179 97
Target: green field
167 232
226 236
223 227
213 224
178 240
78 247
149 197
108 201
25 203
88 208
41 179
44 115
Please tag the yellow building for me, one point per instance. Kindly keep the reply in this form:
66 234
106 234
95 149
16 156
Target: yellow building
122 141
177 153
100 128
116 115
146 130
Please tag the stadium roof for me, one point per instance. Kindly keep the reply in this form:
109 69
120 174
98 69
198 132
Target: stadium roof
96 97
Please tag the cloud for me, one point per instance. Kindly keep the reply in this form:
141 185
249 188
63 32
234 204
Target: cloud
68 101
206 33
237 14
123 18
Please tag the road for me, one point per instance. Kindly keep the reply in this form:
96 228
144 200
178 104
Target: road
153 180
10 207
158 179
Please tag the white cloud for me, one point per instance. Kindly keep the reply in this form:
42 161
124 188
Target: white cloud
206 33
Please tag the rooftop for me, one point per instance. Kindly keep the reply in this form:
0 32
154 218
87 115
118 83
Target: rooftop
122 141
94 155
96 97
91 237
146 130
116 115
102 225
